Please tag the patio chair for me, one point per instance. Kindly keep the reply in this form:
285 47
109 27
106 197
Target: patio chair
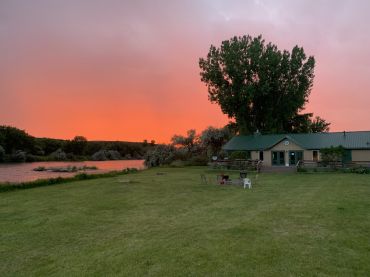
247 183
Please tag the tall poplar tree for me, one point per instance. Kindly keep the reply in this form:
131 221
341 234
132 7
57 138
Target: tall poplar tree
258 85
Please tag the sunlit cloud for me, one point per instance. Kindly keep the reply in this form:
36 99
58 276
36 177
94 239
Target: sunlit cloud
128 70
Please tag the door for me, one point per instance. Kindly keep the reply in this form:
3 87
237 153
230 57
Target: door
295 156
261 155
315 155
347 156
278 158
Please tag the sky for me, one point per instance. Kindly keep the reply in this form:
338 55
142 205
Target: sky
128 70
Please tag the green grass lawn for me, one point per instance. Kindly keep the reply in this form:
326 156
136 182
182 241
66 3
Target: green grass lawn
171 225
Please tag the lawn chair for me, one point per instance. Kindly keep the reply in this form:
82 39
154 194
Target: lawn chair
247 183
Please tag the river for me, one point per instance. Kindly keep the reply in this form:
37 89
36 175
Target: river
23 172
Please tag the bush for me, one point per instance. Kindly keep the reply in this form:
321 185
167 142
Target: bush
243 155
2 154
103 155
178 163
301 169
331 155
99 156
37 150
31 158
160 155
198 160
182 154
18 156
114 155
360 170
58 155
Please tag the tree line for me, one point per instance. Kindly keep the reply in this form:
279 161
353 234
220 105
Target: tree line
191 149
18 146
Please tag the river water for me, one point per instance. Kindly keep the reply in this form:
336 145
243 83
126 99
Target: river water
23 172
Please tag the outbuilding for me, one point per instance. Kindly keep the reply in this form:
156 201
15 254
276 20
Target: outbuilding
288 149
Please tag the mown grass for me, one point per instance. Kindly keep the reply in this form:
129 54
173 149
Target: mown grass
172 225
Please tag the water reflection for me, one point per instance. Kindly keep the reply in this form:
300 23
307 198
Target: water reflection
22 172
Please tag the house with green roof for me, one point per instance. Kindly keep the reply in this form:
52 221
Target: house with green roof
288 149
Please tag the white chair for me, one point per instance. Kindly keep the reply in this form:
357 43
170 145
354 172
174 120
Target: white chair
247 182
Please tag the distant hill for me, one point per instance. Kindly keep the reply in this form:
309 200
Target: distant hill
18 146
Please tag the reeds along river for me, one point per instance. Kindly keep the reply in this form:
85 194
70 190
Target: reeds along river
23 172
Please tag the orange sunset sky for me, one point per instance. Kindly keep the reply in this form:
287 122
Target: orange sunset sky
128 70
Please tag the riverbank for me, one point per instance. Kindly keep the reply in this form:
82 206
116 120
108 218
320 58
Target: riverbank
24 172
4 187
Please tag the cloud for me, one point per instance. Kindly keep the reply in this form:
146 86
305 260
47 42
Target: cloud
111 54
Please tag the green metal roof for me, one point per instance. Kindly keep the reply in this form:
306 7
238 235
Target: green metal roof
349 140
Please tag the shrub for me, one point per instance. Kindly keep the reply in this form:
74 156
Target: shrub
360 170
301 169
58 155
243 155
37 150
222 154
178 163
332 155
198 160
31 158
72 157
82 176
181 154
113 155
212 139
12 139
18 156
99 156
2 154
103 155
159 155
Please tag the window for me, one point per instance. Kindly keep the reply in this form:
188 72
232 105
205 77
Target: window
278 158
295 157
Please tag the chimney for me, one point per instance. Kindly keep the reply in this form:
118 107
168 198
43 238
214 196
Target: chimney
344 133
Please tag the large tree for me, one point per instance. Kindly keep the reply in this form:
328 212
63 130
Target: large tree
212 139
258 85
185 141
13 139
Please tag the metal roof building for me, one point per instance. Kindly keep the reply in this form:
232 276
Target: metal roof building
287 149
